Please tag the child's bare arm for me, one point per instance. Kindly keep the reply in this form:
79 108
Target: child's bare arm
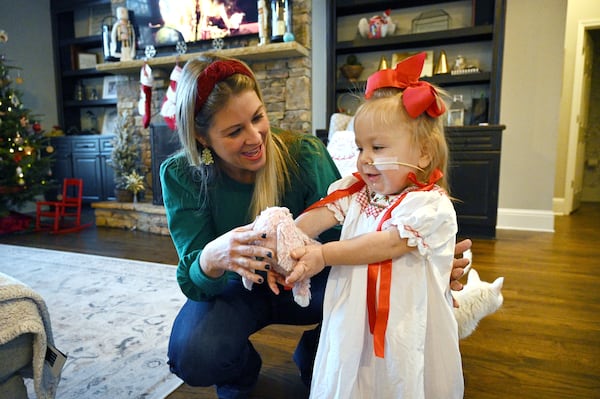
316 221
366 248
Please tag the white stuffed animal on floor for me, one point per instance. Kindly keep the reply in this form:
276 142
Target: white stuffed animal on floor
476 300
283 236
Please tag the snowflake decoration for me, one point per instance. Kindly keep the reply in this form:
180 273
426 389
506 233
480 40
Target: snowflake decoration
181 47
150 51
218 43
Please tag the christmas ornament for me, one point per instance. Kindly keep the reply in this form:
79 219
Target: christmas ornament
15 100
181 47
150 51
218 44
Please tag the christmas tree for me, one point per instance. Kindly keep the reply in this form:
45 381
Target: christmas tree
24 150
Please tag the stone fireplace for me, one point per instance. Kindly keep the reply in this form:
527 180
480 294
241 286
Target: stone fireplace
283 71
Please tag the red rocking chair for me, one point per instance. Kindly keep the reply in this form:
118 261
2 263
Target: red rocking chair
65 214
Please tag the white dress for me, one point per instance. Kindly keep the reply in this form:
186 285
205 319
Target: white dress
422 358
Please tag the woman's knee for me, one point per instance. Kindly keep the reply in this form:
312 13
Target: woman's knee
200 355
194 362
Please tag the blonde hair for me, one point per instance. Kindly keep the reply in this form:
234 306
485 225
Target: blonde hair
272 180
386 109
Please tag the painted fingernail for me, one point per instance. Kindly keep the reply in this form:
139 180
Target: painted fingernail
269 255
267 267
260 258
260 280
264 235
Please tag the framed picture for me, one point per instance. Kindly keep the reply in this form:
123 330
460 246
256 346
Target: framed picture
86 60
427 66
109 121
109 87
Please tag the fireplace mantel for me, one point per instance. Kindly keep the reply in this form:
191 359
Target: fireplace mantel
269 51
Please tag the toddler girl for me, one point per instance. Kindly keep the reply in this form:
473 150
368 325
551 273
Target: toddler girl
388 325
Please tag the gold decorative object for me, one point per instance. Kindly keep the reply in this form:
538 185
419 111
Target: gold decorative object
351 72
383 64
442 65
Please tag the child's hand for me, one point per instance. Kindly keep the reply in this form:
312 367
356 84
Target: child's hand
310 262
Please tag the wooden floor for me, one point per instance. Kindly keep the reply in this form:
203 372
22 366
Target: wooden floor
543 343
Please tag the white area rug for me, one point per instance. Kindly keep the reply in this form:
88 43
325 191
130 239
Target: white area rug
112 317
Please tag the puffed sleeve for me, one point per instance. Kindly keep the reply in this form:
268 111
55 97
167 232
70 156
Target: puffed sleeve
427 219
340 207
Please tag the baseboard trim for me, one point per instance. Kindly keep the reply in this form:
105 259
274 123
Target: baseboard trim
525 219
558 206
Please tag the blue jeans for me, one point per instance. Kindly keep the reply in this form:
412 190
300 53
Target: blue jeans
209 343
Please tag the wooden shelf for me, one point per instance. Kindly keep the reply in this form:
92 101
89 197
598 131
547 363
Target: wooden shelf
267 52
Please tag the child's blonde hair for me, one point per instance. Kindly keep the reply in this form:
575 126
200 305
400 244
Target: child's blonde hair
386 109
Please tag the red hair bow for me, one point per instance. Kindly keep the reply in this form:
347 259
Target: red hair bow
419 96
215 73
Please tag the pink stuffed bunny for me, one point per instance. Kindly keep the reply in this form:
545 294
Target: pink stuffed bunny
283 236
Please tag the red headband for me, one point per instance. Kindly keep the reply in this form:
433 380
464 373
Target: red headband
419 96
215 73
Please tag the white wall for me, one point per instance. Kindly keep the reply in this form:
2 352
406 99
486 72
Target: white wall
529 107
29 46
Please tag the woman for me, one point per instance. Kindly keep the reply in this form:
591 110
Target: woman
232 166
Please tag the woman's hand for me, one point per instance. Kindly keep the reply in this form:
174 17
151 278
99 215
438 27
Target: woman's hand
240 251
459 264
275 279
310 262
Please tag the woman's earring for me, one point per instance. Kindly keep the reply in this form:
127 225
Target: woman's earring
206 157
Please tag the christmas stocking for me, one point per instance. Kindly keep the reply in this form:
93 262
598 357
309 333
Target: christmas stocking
167 109
144 106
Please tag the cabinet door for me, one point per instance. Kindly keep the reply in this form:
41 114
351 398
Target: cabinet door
474 186
108 178
108 173
87 167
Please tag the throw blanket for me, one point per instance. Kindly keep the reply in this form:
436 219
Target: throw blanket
22 311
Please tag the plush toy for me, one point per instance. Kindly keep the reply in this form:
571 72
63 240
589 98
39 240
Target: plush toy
283 236
377 26
476 300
